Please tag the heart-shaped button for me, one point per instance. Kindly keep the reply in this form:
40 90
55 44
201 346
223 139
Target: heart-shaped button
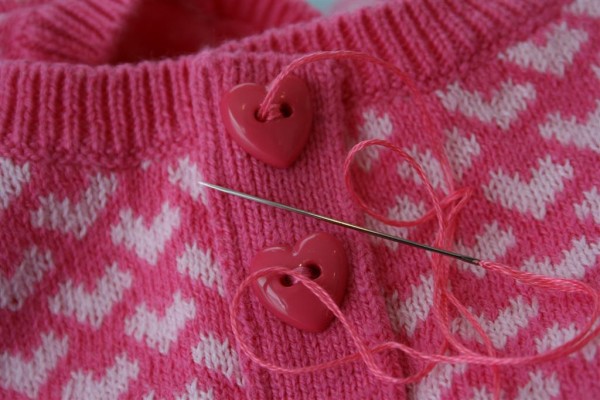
319 256
277 142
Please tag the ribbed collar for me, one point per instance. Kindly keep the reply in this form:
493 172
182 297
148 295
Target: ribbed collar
120 115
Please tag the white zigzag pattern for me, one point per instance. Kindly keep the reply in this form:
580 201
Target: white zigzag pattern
91 307
482 393
574 264
374 127
585 7
218 356
192 393
539 387
12 179
149 242
569 131
409 312
66 217
144 165
27 377
404 210
460 151
507 325
533 196
596 70
492 244
187 176
431 166
503 108
112 385
562 45
589 206
199 264
160 332
21 285
556 336
377 225
433 386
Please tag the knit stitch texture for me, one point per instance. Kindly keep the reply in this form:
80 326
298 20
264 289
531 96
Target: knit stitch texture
117 269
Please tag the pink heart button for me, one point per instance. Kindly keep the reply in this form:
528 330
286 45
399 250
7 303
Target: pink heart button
319 256
277 142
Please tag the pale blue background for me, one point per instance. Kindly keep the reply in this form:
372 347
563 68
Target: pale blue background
322 4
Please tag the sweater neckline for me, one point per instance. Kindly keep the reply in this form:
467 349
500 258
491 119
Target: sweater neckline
116 116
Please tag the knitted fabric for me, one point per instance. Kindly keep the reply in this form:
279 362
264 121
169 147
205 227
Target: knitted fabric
117 268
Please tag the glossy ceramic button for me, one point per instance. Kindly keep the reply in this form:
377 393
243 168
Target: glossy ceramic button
319 256
277 142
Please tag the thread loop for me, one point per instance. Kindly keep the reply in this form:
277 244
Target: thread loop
445 211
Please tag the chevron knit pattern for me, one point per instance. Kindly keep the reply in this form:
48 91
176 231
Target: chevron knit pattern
117 269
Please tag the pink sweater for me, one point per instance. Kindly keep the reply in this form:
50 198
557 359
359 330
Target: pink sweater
117 269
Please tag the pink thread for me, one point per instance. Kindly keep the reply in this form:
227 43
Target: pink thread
446 212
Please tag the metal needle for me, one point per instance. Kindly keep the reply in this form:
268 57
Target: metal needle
462 257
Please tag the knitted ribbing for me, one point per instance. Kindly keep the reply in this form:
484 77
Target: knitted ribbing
130 95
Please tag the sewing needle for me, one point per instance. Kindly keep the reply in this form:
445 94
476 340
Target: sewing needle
462 257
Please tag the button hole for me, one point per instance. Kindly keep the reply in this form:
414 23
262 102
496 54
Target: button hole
314 271
286 280
258 117
286 110
311 270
